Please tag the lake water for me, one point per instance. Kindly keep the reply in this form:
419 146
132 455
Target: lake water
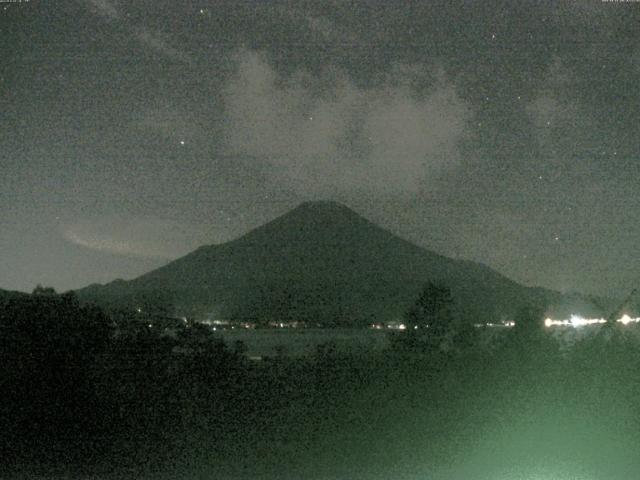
304 341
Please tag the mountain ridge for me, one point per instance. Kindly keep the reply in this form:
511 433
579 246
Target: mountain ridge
323 263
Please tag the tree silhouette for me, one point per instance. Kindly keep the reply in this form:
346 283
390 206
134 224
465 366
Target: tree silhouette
431 316
529 320
49 346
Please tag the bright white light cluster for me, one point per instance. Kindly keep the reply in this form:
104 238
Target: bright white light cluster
578 321
626 319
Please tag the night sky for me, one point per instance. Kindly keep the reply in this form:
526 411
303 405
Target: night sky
500 132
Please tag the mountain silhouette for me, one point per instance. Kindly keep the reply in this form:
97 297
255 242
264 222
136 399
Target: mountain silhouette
322 263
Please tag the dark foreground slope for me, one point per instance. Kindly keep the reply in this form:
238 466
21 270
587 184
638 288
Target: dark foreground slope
79 402
323 263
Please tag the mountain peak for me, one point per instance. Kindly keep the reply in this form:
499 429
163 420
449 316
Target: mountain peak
317 214
323 205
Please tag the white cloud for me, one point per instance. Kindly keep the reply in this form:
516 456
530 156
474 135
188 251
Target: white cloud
331 33
552 111
161 44
547 111
138 237
385 140
153 40
105 8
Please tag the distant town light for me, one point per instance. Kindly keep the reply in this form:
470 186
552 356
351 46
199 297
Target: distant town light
577 321
625 319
